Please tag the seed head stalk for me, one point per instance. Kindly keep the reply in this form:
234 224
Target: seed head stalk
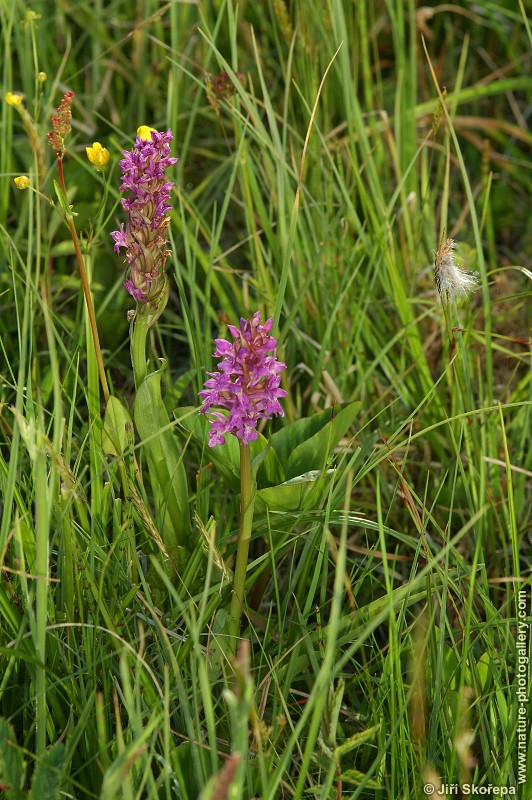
452 283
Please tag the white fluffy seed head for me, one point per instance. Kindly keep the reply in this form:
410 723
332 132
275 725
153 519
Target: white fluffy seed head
451 281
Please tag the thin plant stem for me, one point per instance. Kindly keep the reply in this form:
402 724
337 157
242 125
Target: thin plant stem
247 501
41 600
86 288
452 341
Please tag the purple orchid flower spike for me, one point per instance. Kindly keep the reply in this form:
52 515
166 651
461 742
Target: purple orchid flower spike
247 384
144 236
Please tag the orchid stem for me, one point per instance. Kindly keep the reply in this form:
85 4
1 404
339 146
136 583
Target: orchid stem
138 345
247 501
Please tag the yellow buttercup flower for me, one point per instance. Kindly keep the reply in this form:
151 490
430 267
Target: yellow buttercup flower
22 182
145 132
97 155
42 77
13 99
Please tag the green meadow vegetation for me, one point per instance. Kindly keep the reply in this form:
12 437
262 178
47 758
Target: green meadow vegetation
326 152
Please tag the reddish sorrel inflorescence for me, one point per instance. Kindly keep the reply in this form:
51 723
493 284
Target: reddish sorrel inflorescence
144 236
247 384
61 125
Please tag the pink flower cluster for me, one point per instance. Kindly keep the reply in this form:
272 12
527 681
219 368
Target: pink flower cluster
144 236
247 384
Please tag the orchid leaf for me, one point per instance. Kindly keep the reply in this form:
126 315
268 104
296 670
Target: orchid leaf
306 444
226 458
165 462
117 428
303 491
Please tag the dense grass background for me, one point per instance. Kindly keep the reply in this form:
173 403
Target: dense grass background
383 610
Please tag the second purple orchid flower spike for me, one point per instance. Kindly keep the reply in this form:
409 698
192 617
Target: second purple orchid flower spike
247 383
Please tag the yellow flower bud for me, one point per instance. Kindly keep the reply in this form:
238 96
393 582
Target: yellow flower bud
97 155
145 132
42 77
13 99
22 182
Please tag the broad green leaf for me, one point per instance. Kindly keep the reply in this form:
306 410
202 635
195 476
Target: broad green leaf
295 450
11 766
165 462
301 492
226 458
117 428
47 778
306 444
270 471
